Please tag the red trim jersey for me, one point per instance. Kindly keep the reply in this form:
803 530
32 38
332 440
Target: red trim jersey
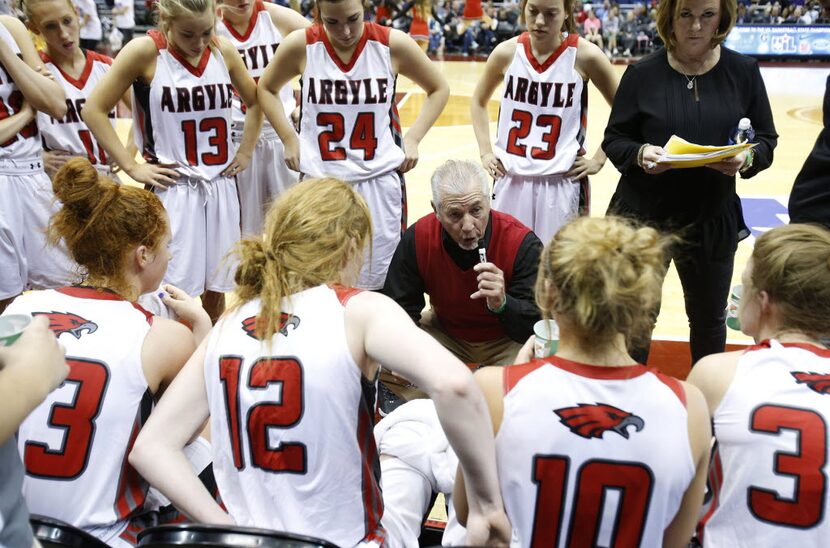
292 420
75 444
183 116
349 127
70 133
25 146
592 456
544 109
769 471
256 46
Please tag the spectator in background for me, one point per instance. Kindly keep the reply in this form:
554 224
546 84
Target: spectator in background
592 27
579 14
628 33
611 29
91 30
124 19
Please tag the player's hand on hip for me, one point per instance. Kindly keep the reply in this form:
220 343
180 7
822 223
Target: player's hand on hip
583 167
490 285
241 161
493 165
410 150
157 175
53 160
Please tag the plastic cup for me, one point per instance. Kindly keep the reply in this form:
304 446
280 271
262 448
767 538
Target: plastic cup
732 319
12 326
547 338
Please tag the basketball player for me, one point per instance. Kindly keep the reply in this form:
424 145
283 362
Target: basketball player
593 448
183 81
256 28
539 163
75 444
77 71
349 126
26 201
770 404
288 379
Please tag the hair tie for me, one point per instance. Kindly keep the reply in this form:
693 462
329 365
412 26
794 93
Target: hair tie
269 256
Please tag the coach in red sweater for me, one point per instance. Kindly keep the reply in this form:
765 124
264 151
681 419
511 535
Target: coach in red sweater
481 311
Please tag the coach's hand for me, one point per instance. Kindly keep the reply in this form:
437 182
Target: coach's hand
490 285
157 175
410 151
239 163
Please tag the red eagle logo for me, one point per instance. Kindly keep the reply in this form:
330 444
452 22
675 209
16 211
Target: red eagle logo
66 322
815 381
249 324
594 420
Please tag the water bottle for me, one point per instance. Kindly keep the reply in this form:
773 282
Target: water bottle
743 133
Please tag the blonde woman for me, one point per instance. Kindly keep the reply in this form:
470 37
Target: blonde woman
309 443
589 424
769 404
183 80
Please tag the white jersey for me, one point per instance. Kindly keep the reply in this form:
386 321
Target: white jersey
256 46
25 146
592 456
184 116
291 425
75 444
125 20
349 126
70 133
769 472
543 113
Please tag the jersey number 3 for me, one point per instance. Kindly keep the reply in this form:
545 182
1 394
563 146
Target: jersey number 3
287 457
76 419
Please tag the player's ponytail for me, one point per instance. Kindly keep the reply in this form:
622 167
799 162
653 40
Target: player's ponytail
101 222
311 233
603 276
791 263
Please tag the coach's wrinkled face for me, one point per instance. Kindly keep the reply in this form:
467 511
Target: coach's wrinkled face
464 216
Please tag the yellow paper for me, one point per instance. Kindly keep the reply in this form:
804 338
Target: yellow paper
680 153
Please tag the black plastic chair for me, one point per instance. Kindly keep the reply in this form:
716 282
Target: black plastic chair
54 533
194 534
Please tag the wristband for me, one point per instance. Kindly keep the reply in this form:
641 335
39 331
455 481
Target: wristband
748 161
640 154
500 309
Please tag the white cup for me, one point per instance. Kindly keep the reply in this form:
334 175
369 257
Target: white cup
547 338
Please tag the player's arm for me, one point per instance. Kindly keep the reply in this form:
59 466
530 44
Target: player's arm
14 124
378 329
713 375
489 379
137 60
680 531
493 75
285 19
593 64
29 370
408 59
287 62
42 92
166 348
158 455
246 87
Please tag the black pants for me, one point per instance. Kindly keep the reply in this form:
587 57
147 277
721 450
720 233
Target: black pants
706 282
91 45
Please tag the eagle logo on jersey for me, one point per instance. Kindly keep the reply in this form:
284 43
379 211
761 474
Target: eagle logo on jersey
593 420
249 324
815 381
66 322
